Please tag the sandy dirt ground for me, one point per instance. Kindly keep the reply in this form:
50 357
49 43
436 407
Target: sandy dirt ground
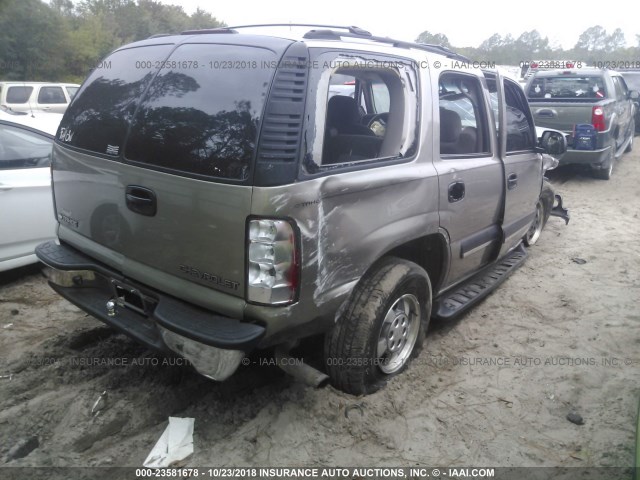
492 388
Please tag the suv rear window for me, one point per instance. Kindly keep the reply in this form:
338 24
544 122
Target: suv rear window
569 86
98 119
18 94
201 114
198 117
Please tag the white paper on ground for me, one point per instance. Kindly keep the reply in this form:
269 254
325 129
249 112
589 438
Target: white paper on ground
175 444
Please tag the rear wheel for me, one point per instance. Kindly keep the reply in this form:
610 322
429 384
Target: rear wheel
383 326
605 172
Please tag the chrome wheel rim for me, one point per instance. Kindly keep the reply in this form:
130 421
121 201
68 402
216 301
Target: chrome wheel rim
536 227
398 333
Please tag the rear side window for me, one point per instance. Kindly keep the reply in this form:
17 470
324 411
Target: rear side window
201 114
98 119
368 108
18 94
48 95
567 87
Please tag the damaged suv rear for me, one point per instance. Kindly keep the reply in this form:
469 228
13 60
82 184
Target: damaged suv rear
216 193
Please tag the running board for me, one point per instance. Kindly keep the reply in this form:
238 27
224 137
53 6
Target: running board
466 295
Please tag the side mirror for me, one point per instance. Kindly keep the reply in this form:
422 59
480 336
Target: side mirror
553 142
634 95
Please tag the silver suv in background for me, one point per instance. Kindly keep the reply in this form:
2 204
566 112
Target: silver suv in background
31 96
216 194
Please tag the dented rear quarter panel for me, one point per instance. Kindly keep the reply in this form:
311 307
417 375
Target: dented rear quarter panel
346 223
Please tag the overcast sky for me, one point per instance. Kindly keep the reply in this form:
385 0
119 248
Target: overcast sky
464 22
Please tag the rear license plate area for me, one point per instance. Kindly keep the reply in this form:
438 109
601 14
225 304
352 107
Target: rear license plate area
130 297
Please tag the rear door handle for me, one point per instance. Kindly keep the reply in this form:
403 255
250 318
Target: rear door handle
456 191
141 200
512 181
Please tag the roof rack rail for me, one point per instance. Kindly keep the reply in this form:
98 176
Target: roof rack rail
351 29
336 32
333 35
156 35
208 30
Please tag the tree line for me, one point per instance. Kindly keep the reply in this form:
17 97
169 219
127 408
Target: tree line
62 40
595 44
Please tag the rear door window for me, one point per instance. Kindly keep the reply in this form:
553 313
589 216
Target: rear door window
18 94
201 114
463 120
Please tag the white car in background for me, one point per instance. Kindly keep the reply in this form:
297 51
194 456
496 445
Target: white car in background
26 202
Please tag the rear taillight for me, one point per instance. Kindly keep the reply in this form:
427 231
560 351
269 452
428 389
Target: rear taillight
272 274
597 119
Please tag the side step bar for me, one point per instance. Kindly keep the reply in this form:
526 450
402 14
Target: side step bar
453 303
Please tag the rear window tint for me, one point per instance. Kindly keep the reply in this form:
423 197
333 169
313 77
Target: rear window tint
569 86
98 118
201 114
18 94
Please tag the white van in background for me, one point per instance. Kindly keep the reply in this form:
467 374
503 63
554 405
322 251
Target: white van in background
43 96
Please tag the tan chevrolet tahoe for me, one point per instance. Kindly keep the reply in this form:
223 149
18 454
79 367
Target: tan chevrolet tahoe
227 190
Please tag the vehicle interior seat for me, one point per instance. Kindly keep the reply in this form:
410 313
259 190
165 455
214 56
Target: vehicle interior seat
344 117
454 138
467 143
450 130
346 139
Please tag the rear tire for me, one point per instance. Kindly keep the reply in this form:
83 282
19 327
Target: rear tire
383 326
606 172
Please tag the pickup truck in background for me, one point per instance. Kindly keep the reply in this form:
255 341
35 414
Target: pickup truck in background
593 107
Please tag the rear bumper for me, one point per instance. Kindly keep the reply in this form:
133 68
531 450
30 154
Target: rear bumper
213 343
586 157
